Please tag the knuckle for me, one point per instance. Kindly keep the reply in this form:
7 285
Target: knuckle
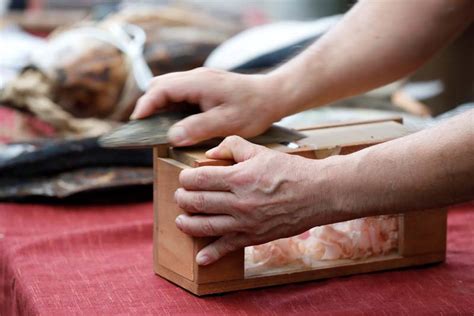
234 139
260 230
159 81
210 71
259 215
257 150
164 90
155 81
197 125
199 202
229 245
201 178
244 205
241 178
186 206
234 124
201 70
239 225
184 227
252 215
248 227
207 228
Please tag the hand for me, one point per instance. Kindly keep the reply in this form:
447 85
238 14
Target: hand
232 104
265 196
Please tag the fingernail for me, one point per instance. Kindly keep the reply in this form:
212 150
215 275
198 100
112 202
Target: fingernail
136 110
211 152
202 259
134 115
179 220
177 135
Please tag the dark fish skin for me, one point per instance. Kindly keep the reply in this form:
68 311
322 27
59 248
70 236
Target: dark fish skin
153 131
103 196
52 157
150 131
274 58
121 184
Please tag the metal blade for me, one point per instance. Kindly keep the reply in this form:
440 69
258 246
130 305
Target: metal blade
153 131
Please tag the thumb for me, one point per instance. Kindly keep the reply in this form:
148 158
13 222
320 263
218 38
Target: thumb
235 148
199 127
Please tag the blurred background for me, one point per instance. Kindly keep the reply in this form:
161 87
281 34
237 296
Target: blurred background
73 70
276 9
445 82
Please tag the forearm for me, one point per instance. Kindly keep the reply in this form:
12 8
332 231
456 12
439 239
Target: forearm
377 42
429 169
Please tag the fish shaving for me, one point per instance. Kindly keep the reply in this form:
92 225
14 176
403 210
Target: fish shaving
357 239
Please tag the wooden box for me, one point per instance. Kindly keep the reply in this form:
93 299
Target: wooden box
421 235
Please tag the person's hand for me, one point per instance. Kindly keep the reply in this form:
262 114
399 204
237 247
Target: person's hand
232 104
265 196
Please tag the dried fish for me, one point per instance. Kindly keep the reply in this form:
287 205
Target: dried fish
54 156
137 181
153 131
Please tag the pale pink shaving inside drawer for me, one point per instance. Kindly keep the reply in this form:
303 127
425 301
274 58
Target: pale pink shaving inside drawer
352 240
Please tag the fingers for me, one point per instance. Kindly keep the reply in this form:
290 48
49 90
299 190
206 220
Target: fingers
235 148
148 104
170 88
206 178
206 202
204 226
221 95
157 96
224 245
196 128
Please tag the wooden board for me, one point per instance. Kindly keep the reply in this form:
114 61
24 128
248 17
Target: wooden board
230 267
365 266
436 220
423 232
319 143
176 250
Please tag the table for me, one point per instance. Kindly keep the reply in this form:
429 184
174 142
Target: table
97 260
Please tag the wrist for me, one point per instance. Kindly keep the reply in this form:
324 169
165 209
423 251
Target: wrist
333 183
282 94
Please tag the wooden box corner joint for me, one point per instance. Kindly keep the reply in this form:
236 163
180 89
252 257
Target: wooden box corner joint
422 235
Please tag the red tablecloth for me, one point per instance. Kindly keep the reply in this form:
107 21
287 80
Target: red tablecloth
58 260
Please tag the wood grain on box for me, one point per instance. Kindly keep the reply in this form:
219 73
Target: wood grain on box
422 235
